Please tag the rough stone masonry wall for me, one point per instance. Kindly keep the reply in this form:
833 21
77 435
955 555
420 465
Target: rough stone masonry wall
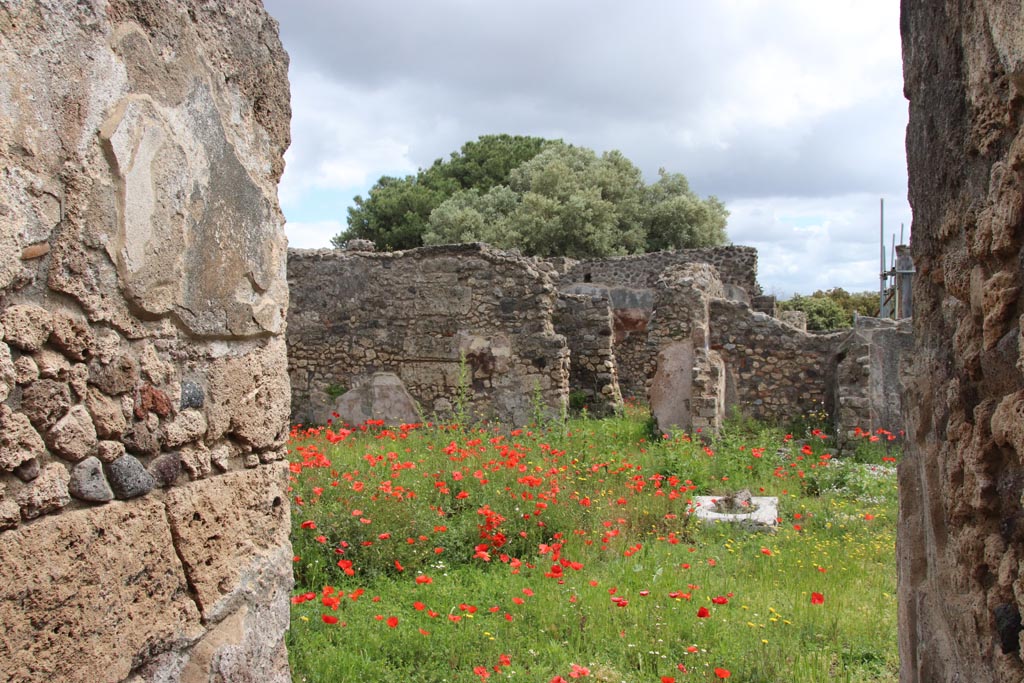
416 313
143 387
586 324
687 385
773 371
961 530
737 266
867 382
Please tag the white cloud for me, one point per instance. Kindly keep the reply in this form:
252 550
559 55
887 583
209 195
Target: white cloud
311 235
791 111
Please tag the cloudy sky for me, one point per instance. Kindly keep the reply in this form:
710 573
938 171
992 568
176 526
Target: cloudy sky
790 111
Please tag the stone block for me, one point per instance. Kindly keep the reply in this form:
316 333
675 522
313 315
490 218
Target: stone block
229 529
86 595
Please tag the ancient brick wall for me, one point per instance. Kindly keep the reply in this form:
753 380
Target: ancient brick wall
961 530
586 324
143 387
416 314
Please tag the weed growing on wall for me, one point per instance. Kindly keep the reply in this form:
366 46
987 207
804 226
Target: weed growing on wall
430 553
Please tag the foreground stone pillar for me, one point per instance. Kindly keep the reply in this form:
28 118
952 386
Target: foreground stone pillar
143 388
961 531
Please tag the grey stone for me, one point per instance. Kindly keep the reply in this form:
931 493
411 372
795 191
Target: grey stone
128 478
88 482
28 470
383 397
191 395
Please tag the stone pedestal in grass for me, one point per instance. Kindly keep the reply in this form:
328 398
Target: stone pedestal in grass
761 514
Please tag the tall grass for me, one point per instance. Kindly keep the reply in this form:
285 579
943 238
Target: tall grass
547 555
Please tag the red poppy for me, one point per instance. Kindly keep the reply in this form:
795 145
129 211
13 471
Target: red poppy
817 599
392 622
722 673
703 613
329 619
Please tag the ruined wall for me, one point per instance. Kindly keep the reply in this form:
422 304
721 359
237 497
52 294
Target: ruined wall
143 388
416 313
961 529
774 371
687 388
867 386
631 311
586 324
737 266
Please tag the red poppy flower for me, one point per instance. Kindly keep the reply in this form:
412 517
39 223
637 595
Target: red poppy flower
703 613
392 622
329 619
722 673
817 599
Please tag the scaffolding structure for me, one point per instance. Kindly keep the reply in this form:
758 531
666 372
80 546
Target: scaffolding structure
895 283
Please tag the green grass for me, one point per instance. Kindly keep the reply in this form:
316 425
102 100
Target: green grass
574 547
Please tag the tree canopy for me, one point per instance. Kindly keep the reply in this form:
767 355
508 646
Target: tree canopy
545 197
832 309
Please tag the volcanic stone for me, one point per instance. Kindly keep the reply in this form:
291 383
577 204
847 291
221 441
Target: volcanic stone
47 493
128 478
166 468
191 395
88 483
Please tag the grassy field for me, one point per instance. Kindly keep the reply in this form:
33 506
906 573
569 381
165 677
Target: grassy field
431 553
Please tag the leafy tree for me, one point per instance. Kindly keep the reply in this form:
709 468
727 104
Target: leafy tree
676 218
395 215
547 198
832 309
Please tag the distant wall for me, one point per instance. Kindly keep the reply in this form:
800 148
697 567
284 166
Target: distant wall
868 377
144 517
737 266
775 371
417 313
586 324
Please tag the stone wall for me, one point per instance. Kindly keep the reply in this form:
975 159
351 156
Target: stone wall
737 267
586 324
686 386
774 371
417 313
867 386
631 311
143 387
961 529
